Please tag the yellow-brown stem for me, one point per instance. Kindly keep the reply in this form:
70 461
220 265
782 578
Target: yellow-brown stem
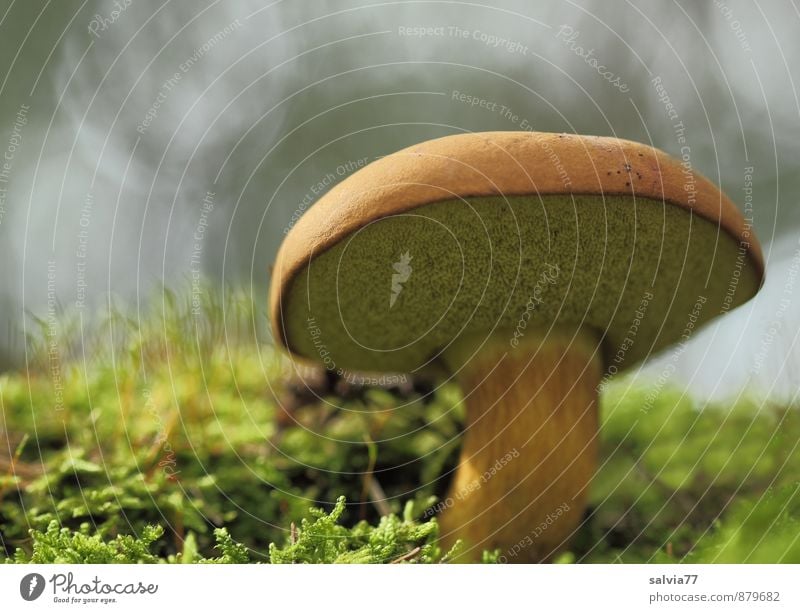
529 449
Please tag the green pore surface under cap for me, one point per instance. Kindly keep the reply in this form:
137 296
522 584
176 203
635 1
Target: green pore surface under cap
641 274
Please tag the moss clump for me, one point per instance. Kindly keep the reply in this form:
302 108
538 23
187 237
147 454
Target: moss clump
64 546
322 540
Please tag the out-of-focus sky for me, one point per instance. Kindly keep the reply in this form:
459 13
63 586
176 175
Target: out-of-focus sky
130 128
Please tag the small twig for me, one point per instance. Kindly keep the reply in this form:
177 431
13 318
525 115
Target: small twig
179 534
13 464
407 556
377 495
292 533
372 451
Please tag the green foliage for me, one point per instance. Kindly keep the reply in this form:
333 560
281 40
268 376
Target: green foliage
323 541
232 552
64 546
760 532
674 475
189 443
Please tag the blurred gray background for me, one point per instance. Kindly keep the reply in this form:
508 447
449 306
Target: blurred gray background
117 119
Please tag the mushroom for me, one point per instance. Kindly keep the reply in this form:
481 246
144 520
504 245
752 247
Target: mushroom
529 267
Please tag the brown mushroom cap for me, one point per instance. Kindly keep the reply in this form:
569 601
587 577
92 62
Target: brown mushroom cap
494 230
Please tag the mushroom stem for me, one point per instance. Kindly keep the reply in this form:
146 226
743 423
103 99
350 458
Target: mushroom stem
529 450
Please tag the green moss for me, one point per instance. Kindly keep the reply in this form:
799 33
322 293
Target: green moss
64 546
324 541
477 265
680 481
763 531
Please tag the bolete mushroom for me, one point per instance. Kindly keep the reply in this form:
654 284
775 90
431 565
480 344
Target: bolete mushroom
528 266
